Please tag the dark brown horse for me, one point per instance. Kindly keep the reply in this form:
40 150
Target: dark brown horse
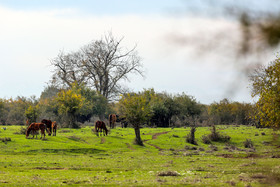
48 125
54 128
112 120
101 127
36 127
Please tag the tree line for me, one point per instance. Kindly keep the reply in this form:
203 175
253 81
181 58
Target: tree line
80 104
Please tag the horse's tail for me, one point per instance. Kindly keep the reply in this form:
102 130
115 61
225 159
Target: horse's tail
110 119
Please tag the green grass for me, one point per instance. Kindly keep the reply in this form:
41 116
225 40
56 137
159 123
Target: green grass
79 157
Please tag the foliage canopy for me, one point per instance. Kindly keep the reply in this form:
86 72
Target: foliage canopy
266 85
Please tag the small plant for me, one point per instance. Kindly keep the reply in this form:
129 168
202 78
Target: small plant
206 139
190 148
217 137
6 139
22 130
248 143
213 148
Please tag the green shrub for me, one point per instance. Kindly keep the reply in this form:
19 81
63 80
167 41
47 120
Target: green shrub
6 139
248 143
217 137
206 139
22 130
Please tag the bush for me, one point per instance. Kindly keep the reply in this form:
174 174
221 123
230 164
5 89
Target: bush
191 137
248 143
190 148
6 139
217 137
206 139
213 148
22 130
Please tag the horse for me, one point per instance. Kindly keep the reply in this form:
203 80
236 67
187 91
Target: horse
48 125
122 120
54 128
35 127
112 120
33 132
99 127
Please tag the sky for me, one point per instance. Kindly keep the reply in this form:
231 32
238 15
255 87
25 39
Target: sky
34 32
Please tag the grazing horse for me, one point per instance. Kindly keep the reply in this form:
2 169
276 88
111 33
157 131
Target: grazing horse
35 127
99 127
33 132
54 127
112 120
122 120
48 125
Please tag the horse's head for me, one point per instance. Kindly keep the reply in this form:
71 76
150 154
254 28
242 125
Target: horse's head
28 132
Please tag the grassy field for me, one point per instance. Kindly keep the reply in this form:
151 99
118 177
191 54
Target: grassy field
79 157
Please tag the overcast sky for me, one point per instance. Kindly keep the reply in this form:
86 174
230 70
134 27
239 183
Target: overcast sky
34 31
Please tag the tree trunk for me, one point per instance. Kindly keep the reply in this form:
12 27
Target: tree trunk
138 140
72 121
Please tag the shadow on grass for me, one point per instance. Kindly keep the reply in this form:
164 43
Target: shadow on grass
117 137
68 151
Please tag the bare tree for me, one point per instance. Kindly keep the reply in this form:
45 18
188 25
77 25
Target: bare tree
101 64
67 70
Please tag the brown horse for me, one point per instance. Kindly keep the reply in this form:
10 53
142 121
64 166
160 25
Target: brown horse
112 120
99 127
36 127
48 125
54 128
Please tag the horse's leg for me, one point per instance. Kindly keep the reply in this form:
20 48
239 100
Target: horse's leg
33 132
43 132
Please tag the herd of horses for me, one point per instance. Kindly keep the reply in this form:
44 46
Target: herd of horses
45 125
51 127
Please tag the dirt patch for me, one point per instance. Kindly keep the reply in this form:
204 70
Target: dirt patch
240 156
129 146
168 173
158 134
254 156
155 137
53 168
103 140
155 146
